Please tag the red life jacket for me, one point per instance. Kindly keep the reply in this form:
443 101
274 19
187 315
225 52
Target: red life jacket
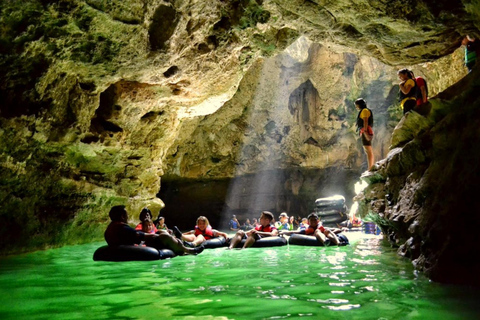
207 233
310 230
268 228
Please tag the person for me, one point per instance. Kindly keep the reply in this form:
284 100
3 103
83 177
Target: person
160 224
119 232
408 90
471 48
247 225
364 126
145 214
282 224
255 223
303 224
202 232
292 223
148 226
422 90
317 230
234 224
265 229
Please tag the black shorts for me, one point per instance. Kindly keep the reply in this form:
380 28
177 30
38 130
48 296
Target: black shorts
409 105
365 141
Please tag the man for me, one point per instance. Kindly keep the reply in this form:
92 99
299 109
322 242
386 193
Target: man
234 224
265 229
120 233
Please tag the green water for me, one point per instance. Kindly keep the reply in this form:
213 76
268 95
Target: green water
365 280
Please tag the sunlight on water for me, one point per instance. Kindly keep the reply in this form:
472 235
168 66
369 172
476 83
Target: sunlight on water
362 281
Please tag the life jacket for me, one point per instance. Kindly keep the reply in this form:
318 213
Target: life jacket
268 228
207 233
310 230
360 120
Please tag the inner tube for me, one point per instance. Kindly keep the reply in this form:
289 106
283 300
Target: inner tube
267 242
131 253
215 243
304 240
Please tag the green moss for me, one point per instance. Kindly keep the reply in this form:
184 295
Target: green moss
42 203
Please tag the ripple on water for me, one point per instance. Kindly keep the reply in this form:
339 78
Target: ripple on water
362 281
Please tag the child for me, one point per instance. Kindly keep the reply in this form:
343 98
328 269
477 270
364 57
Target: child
265 229
315 229
148 226
203 232
161 226
303 224
282 224
145 214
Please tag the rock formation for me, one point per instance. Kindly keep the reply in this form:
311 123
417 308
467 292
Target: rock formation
108 102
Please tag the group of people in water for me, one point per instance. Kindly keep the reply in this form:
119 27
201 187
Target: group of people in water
156 234
413 94
284 223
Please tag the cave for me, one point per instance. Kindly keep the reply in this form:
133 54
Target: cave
234 107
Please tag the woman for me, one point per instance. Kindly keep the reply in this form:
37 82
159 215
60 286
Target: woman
364 126
408 90
202 232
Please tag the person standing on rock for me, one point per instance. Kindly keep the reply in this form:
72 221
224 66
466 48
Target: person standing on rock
364 126
471 51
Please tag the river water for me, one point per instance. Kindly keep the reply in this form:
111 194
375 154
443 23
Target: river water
365 280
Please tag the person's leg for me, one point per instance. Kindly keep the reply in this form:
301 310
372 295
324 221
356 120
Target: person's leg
320 236
236 239
166 241
198 240
250 241
370 157
409 105
332 236
188 237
